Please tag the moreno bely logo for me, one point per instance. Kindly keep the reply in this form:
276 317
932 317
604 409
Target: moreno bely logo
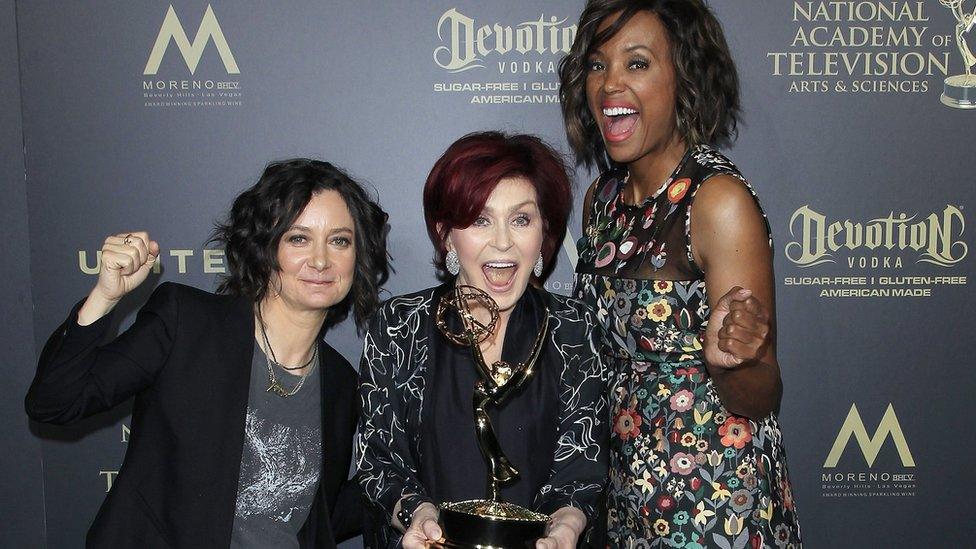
886 480
870 445
172 31
212 89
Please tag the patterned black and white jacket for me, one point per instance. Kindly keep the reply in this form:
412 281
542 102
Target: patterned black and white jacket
393 378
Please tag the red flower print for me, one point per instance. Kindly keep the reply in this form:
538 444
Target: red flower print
735 432
787 490
665 503
683 464
678 189
695 483
649 216
647 343
627 424
682 401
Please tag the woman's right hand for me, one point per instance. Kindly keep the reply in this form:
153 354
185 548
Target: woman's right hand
423 528
126 261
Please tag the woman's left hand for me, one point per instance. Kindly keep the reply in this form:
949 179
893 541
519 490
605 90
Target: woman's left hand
738 329
564 529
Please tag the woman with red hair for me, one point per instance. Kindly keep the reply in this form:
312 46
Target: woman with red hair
496 209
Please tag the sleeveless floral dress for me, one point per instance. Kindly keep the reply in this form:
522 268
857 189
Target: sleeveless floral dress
684 472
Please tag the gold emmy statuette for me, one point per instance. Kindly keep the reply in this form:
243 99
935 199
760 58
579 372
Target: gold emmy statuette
489 523
960 90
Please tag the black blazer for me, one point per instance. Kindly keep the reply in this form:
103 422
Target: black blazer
187 359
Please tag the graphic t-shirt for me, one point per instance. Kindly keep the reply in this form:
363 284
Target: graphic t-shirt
282 459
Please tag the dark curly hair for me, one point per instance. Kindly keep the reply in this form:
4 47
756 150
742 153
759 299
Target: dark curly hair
251 232
463 178
707 94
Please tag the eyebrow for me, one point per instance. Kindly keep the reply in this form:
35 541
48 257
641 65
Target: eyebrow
333 231
599 50
516 207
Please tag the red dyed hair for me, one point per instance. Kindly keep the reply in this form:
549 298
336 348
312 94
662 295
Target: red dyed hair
464 177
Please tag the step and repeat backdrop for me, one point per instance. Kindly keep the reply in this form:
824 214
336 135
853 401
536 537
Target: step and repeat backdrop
153 115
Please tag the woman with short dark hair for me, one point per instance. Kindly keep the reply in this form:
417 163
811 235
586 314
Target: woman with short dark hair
243 419
496 209
686 293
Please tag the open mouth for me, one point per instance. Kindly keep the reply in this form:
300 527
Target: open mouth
499 274
619 122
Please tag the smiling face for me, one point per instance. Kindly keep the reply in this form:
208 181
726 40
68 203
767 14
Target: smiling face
630 89
317 255
497 252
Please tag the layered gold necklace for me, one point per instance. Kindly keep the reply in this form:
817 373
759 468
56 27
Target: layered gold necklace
274 385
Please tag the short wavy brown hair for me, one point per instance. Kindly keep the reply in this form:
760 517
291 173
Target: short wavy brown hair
707 94
253 228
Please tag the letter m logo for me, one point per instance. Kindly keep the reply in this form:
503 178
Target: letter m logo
172 30
870 446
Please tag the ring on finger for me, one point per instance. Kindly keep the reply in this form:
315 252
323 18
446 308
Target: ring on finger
127 239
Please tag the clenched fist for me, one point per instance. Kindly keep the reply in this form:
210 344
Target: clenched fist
127 259
738 329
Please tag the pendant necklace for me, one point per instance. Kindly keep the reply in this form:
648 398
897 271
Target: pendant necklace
275 386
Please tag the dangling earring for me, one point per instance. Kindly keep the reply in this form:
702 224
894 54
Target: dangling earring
537 269
452 262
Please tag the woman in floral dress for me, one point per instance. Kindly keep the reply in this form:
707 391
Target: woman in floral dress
685 294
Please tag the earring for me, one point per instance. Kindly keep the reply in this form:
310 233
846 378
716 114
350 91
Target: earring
537 269
452 262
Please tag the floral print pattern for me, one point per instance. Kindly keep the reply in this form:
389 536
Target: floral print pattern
684 472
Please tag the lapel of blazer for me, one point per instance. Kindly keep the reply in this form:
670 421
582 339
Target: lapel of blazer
330 415
235 378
